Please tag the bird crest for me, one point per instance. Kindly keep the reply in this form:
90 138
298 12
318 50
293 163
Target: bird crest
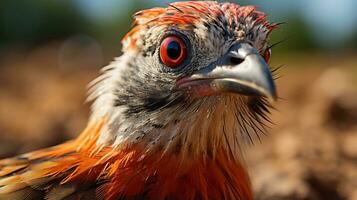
194 13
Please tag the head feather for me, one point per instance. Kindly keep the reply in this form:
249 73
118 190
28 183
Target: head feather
187 14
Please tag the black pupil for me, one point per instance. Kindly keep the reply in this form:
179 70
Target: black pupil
174 50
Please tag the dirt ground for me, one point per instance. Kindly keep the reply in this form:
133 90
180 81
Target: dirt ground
310 152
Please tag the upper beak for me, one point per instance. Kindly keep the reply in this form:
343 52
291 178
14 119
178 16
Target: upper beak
242 70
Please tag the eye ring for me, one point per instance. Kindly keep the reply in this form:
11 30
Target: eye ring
173 51
267 55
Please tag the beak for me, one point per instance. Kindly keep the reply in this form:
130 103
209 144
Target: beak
242 70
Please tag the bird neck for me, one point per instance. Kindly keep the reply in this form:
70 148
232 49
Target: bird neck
132 171
191 155
201 129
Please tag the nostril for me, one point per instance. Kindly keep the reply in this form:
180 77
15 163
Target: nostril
235 60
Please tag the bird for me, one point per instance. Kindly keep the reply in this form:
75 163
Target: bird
170 117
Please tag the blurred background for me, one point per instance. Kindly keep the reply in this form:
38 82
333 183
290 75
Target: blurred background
51 49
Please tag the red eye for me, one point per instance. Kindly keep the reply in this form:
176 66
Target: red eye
173 51
267 55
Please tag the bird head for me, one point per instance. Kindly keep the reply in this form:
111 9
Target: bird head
193 75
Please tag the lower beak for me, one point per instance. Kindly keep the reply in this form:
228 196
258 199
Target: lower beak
242 71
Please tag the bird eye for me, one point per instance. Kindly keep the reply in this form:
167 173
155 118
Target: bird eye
267 55
173 51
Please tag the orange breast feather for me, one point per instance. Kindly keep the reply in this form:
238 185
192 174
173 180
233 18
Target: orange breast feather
81 168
